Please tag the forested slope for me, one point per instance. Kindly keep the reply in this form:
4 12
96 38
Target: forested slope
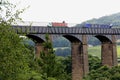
108 19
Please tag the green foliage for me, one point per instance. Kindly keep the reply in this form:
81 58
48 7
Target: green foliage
94 62
61 42
63 51
13 54
104 73
95 51
99 74
51 66
68 62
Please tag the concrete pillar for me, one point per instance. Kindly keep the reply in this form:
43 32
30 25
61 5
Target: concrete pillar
38 49
79 59
109 53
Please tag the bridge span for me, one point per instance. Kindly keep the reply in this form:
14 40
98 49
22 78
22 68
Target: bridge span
79 46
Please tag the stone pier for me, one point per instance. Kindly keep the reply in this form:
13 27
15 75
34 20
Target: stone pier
79 59
38 49
109 52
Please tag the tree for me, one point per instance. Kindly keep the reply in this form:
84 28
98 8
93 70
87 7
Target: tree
9 12
104 73
13 54
52 67
14 64
94 62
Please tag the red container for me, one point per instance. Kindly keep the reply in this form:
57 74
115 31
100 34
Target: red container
57 24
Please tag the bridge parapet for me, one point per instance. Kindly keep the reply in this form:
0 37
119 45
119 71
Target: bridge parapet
116 31
66 30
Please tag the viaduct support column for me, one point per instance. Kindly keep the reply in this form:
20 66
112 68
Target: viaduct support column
38 49
85 54
115 62
109 53
39 46
79 59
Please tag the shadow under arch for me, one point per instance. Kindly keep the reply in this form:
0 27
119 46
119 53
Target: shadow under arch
79 57
108 51
72 39
35 38
103 38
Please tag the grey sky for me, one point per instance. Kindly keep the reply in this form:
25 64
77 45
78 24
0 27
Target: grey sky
71 11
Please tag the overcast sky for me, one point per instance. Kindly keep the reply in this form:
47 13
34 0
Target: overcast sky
71 11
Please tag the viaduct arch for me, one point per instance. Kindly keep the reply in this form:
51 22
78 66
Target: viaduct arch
108 50
79 52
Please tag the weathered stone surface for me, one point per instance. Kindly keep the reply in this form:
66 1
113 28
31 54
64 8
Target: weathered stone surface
38 49
77 62
79 59
109 53
85 54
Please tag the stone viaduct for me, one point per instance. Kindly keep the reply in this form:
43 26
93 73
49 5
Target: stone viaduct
79 47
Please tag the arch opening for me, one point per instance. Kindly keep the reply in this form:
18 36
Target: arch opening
62 46
35 38
94 53
75 45
95 44
107 48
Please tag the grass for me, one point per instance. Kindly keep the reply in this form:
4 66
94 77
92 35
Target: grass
118 51
96 51
60 48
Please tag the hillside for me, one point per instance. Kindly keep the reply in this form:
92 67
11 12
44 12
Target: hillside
109 19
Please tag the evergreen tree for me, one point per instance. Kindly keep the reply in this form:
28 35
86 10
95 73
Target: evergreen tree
52 67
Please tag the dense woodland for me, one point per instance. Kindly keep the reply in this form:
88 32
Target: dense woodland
18 60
